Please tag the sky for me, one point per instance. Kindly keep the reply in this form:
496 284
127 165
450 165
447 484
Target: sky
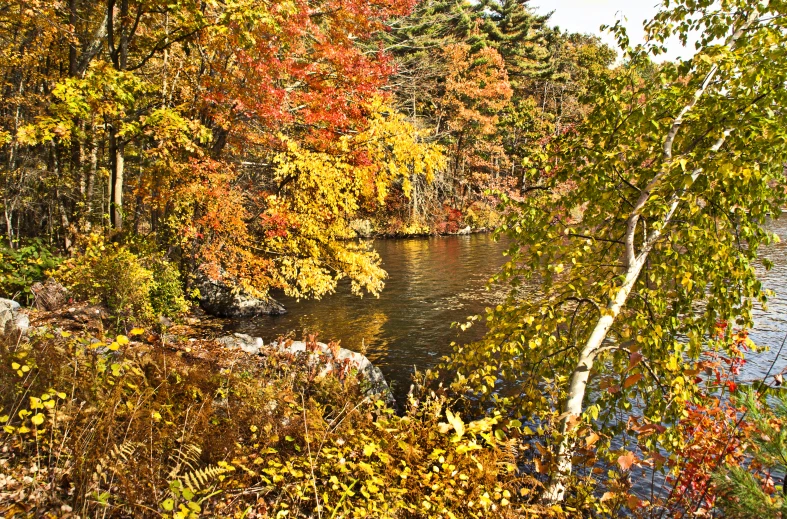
586 16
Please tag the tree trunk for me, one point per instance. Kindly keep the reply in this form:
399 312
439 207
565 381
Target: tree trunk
116 145
117 158
91 177
579 380
9 217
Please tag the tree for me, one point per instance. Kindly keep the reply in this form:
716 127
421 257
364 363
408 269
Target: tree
748 489
646 233
476 91
519 35
241 137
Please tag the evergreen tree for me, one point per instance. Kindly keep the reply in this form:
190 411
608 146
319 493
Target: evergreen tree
519 35
749 491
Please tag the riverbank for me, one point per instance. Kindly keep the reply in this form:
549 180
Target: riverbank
147 424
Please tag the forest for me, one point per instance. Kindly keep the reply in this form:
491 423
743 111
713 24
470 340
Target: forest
167 168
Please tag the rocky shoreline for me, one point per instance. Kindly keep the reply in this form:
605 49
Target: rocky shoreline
325 359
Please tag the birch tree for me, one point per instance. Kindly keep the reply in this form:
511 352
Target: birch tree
642 241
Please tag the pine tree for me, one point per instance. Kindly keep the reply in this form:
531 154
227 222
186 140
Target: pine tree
519 35
749 491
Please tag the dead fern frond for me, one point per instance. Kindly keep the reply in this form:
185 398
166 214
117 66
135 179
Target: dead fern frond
199 480
185 456
111 463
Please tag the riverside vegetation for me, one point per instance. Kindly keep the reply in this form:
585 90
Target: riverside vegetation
145 145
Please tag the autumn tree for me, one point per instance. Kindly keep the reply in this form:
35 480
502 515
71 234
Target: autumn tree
476 91
245 128
646 233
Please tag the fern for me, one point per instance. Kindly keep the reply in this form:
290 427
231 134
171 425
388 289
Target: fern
199 480
117 456
187 455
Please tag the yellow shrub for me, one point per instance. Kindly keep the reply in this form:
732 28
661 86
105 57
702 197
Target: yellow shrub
131 286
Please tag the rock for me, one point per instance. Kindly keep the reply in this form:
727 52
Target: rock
50 295
363 228
322 355
466 230
245 342
13 321
367 371
219 299
86 314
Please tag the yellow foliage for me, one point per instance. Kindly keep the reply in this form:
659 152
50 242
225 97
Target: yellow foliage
323 191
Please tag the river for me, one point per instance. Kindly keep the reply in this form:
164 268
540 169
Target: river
433 282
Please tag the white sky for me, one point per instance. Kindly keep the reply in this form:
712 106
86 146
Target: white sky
586 16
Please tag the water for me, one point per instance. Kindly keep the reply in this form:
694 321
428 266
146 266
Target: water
770 325
432 282
436 281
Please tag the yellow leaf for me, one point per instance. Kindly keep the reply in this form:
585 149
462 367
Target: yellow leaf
37 419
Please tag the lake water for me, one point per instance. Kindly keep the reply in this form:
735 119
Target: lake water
433 282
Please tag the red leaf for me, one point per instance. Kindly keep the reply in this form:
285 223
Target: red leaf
634 359
633 379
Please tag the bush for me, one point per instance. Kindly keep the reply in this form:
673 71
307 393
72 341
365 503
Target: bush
482 215
19 269
130 286
166 293
130 429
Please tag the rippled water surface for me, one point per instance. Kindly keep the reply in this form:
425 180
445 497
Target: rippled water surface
431 283
436 281
771 324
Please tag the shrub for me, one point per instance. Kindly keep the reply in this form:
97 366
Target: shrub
19 269
130 286
129 429
483 215
166 293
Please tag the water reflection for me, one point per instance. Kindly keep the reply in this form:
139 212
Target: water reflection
436 281
432 282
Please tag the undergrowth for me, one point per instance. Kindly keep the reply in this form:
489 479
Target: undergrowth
132 427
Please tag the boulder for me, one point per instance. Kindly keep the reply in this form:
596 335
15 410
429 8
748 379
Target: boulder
87 314
363 228
13 321
222 300
319 354
245 342
466 230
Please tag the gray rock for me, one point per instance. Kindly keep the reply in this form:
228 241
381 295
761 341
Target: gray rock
245 342
13 321
220 299
466 230
363 228
367 371
322 356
